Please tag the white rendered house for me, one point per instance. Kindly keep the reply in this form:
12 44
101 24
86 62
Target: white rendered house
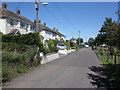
12 23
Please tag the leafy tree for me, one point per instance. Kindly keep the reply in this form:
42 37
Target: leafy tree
79 39
108 33
91 41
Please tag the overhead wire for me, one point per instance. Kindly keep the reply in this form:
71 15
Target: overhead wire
65 17
57 19
19 6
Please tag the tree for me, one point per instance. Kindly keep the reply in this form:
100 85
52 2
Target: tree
79 39
108 33
91 41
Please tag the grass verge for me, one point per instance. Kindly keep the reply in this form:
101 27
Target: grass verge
112 71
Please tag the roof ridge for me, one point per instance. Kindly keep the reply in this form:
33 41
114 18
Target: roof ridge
14 15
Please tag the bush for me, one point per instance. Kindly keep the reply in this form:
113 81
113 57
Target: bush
56 42
8 72
46 50
68 45
13 47
27 39
51 45
16 63
73 48
12 58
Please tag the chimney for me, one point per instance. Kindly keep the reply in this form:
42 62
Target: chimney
18 12
39 21
44 23
34 21
57 30
4 5
53 28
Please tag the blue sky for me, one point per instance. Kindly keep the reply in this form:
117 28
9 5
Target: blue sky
70 17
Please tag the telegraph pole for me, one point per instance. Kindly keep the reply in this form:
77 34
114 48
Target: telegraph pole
37 15
79 37
119 13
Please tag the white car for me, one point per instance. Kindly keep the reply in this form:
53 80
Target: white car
61 46
86 46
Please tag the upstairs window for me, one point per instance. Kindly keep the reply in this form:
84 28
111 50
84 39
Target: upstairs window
22 24
32 27
11 22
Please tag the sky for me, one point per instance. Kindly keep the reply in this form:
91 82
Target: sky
70 17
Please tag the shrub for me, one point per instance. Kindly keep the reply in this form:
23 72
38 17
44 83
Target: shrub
12 58
15 63
28 39
14 47
56 42
68 45
51 45
73 48
8 72
46 50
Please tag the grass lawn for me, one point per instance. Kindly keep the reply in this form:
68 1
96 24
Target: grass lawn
112 71
107 60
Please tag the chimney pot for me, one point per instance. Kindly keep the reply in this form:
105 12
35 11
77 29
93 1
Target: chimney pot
34 21
57 30
4 5
18 12
44 23
39 21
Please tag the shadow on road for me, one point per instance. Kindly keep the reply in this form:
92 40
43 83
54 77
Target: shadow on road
107 77
98 77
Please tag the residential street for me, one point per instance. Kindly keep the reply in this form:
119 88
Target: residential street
70 71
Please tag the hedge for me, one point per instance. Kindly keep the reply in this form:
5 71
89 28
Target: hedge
28 39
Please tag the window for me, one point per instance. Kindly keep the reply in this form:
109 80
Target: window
11 22
32 27
22 24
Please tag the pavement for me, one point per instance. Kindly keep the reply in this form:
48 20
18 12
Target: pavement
70 71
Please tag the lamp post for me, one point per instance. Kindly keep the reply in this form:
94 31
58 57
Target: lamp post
118 13
79 38
37 14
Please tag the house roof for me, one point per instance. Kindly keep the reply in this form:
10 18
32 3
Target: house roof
73 39
50 30
4 13
8 14
14 31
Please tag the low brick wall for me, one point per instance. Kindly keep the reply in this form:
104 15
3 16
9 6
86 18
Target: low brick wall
49 58
54 56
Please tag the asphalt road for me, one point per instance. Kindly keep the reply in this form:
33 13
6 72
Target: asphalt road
70 71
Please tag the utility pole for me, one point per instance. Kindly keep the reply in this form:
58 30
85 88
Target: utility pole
85 39
37 15
119 13
79 38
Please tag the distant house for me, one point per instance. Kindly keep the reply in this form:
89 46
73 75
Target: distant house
50 34
73 41
13 23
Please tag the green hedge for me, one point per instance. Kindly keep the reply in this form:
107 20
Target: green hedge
14 47
20 52
28 39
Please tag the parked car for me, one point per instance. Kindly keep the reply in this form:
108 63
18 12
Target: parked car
86 46
61 46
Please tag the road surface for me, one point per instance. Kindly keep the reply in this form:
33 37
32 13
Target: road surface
70 71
